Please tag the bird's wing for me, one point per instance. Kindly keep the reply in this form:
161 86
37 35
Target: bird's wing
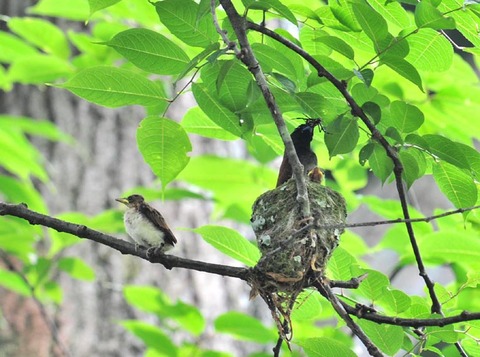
285 171
157 219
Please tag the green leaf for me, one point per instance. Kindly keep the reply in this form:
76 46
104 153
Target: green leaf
195 121
324 347
313 104
114 87
14 282
307 306
380 163
342 136
38 69
271 59
389 338
231 243
244 327
403 68
395 300
414 165
406 117
150 51
236 176
42 34
217 112
438 248
37 127
152 336
455 184
446 149
338 266
96 5
12 48
427 15
76 268
337 44
197 59
180 17
372 287
276 5
164 146
372 22
430 51
77 10
342 11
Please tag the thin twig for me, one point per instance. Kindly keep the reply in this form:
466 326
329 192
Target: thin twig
246 55
326 291
400 220
52 327
124 247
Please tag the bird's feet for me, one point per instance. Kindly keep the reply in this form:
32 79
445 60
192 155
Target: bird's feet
155 251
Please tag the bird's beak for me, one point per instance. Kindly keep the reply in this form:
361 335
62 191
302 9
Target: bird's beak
122 200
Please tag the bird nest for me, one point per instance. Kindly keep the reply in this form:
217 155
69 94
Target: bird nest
293 247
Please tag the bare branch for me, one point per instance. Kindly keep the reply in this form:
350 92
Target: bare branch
248 58
124 247
400 220
339 307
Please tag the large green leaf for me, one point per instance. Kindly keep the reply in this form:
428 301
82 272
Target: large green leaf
427 15
244 327
150 51
152 336
114 87
96 5
38 69
450 247
218 113
445 149
231 243
389 338
42 34
455 184
76 268
371 22
430 51
372 287
325 347
195 121
164 146
380 163
180 17
12 48
342 136
403 68
405 117
76 10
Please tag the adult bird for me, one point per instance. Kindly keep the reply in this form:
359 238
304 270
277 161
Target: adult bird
146 226
302 137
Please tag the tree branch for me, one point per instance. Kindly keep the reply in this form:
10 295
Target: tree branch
124 247
400 220
339 307
247 57
406 322
376 135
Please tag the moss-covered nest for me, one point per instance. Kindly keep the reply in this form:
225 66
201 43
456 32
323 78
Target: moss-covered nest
291 245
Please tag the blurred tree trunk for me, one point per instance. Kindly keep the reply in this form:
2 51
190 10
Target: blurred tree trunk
86 177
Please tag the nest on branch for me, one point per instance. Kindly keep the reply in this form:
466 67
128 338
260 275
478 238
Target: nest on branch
294 249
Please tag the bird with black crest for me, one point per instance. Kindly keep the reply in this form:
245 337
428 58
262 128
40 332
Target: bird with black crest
302 136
